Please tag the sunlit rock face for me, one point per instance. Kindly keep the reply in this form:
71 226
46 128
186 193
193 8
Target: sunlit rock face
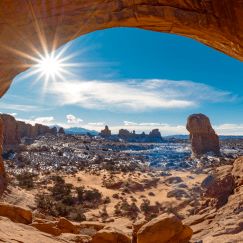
14 131
2 171
203 137
39 23
11 138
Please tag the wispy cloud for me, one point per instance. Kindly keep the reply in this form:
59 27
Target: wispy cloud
71 119
47 120
136 95
17 107
229 129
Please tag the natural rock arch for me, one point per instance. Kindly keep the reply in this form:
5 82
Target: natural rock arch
26 25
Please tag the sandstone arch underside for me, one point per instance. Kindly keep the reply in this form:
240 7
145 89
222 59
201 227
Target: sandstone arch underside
26 25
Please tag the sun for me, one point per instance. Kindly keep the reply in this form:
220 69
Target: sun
50 66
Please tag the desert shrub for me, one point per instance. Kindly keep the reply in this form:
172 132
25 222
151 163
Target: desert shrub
61 190
45 203
88 195
150 211
26 180
106 200
123 208
68 200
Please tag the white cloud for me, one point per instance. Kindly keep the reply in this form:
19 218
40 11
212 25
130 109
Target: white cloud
17 107
47 120
71 119
136 95
96 123
229 129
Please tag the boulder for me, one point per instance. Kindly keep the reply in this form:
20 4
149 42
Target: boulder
47 227
67 227
203 137
110 235
165 228
15 213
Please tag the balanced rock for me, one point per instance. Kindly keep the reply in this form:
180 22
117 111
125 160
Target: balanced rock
165 228
202 135
106 132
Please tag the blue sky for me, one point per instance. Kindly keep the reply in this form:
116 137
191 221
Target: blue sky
135 79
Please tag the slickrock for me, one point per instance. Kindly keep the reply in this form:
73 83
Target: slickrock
16 214
12 232
224 223
219 185
106 132
110 235
47 227
203 137
165 228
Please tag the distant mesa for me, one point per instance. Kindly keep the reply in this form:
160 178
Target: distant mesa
106 132
153 137
61 131
80 131
202 135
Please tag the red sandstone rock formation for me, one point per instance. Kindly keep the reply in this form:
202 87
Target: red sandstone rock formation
11 137
203 137
2 170
106 132
216 23
14 130
165 228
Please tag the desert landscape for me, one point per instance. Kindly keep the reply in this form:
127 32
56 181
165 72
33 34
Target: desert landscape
76 188
105 131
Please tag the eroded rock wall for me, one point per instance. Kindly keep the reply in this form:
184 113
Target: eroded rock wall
14 131
38 23
2 170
